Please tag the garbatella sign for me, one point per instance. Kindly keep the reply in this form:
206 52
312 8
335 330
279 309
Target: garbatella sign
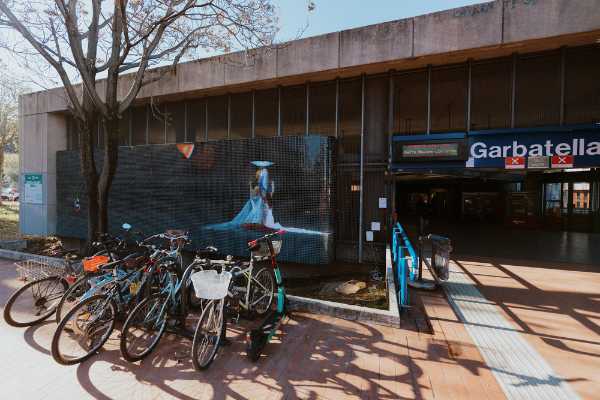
492 150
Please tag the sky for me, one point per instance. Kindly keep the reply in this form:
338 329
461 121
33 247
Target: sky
327 16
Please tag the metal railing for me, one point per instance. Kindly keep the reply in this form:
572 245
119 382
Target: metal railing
405 262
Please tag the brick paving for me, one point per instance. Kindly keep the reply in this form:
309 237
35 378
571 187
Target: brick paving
554 306
316 357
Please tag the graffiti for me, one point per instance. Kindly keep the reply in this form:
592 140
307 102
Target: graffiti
474 10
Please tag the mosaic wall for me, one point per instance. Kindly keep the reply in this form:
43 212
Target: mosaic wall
226 193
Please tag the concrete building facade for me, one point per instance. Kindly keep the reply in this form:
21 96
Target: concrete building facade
517 69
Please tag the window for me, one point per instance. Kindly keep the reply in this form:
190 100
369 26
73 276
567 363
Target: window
350 120
376 118
410 103
265 113
138 125
322 109
241 115
196 129
538 91
217 118
293 110
124 123
582 86
72 134
156 124
491 93
175 121
449 99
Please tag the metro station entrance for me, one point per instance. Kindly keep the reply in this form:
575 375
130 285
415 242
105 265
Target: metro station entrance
511 214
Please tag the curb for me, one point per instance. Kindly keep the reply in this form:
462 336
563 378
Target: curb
389 317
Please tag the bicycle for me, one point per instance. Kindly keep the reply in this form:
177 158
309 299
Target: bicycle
88 325
37 300
210 330
114 295
147 322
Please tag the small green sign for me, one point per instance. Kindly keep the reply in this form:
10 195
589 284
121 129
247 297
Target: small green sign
33 189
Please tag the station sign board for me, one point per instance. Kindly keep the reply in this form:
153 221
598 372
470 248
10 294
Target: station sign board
563 149
431 150
532 148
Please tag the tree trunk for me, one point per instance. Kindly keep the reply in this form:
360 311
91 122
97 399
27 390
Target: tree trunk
110 128
90 176
1 166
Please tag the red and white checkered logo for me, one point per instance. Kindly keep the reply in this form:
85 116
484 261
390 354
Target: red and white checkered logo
514 162
562 161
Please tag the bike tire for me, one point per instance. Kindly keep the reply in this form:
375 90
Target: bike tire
129 323
269 276
75 286
212 314
60 330
9 316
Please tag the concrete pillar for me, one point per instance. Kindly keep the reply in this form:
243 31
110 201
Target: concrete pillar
41 135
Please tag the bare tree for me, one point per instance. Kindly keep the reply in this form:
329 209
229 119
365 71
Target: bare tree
88 40
9 91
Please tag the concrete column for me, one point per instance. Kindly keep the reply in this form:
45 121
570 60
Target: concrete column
41 135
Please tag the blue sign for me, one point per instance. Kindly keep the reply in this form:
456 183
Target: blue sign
491 150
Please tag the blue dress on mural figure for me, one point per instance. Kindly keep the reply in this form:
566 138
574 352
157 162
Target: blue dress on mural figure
255 210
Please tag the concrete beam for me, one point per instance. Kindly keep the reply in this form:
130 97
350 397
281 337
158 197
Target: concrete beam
535 19
459 29
376 43
254 65
319 53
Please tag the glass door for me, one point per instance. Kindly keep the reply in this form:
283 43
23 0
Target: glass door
580 218
568 205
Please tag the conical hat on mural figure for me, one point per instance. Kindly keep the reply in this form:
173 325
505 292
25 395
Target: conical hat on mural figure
186 149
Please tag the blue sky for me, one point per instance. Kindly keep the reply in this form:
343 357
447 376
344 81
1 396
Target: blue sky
336 15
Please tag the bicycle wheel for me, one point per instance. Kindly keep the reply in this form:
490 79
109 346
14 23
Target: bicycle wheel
262 287
35 301
71 297
207 336
84 330
144 327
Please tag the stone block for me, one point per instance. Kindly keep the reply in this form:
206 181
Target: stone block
250 66
201 74
376 43
462 28
533 19
319 53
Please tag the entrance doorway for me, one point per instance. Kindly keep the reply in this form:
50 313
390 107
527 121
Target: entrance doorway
510 214
568 204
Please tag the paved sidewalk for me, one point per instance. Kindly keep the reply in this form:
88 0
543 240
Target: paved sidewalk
318 357
554 307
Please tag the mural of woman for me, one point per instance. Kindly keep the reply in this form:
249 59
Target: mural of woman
258 210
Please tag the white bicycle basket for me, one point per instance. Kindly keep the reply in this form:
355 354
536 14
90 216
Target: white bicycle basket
211 285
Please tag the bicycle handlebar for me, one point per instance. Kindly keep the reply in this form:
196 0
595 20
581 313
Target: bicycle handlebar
266 237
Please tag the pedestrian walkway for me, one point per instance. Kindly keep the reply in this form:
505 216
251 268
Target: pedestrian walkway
520 369
316 357
537 324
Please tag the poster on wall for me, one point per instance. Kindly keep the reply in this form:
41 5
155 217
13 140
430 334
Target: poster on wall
33 190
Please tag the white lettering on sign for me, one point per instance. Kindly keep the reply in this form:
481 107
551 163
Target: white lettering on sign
579 147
